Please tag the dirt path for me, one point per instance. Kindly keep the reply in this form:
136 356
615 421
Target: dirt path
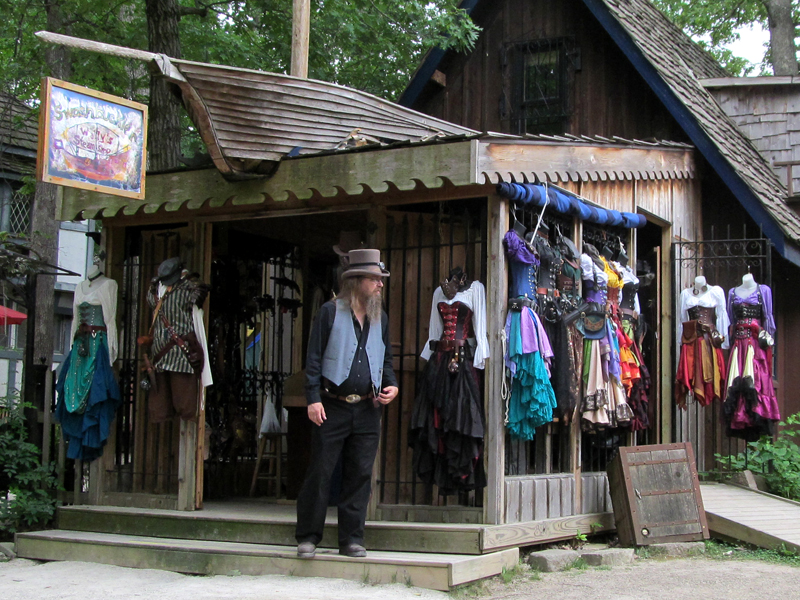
657 579
676 579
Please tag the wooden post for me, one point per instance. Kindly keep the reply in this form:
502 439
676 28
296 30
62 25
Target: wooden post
376 238
497 298
301 19
205 232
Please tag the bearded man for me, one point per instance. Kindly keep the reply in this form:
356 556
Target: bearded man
349 377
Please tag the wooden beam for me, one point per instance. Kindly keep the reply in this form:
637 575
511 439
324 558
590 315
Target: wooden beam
497 298
336 177
518 161
301 24
339 177
547 530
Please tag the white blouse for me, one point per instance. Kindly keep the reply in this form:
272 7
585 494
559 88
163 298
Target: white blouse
474 298
713 297
100 292
592 272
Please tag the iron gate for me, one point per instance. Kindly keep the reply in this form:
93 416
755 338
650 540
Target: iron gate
722 260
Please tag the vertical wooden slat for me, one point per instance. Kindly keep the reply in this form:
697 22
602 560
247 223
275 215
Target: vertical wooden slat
539 499
553 498
526 500
497 297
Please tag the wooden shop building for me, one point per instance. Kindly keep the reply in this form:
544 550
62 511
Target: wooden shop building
620 120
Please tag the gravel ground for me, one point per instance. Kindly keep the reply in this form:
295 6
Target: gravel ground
651 579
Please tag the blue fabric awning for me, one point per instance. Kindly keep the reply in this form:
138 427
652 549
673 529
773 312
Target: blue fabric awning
537 194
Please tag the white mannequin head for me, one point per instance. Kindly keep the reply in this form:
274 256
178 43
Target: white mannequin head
700 284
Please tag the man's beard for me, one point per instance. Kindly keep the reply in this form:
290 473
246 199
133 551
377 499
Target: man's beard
373 304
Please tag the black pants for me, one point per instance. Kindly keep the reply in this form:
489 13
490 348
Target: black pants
352 431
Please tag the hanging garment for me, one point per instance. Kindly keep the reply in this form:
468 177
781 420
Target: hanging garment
751 408
532 397
88 395
447 423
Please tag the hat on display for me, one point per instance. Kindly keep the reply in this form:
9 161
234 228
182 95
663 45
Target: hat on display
169 271
365 262
348 240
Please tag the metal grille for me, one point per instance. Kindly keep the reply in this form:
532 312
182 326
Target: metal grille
421 249
541 80
19 214
722 259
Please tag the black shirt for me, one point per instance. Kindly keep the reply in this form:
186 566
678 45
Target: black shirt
359 380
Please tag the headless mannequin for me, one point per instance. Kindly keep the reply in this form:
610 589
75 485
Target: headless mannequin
748 286
700 285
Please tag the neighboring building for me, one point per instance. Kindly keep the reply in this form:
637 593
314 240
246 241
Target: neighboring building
767 110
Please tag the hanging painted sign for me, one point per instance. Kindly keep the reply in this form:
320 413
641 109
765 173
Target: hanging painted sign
91 140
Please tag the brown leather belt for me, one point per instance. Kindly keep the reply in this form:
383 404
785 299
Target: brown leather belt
445 345
350 398
547 292
630 312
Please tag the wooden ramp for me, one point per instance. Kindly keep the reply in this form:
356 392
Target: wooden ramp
758 518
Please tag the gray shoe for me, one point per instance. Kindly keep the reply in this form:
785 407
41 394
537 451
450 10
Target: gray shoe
306 550
353 551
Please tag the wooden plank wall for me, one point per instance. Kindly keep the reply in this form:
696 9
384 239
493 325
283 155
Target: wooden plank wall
539 497
607 96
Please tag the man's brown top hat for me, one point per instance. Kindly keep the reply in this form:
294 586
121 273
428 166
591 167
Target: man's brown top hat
364 262
348 240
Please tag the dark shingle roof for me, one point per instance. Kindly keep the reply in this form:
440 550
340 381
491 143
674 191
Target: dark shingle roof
18 127
672 68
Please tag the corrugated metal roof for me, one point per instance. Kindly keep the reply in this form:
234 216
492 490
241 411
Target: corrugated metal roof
254 117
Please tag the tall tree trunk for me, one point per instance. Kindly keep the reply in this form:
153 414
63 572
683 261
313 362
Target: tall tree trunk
782 49
44 242
44 227
164 131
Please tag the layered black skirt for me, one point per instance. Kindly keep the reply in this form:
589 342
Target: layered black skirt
447 425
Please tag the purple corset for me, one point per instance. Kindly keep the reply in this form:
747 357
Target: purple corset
592 294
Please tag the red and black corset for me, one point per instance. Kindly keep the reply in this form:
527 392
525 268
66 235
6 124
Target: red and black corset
457 318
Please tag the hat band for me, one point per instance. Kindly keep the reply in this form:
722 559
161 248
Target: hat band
380 265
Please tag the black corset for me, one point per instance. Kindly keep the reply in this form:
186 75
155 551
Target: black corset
549 264
629 291
747 311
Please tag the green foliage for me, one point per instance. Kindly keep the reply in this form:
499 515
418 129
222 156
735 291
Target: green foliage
21 474
371 45
723 551
713 24
777 460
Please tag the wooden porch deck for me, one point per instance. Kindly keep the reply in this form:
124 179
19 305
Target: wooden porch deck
252 537
740 513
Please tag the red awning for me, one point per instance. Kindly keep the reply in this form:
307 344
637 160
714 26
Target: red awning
9 316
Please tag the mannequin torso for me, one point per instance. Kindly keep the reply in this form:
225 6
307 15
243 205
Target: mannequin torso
748 286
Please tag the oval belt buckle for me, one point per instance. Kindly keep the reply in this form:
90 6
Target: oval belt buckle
352 399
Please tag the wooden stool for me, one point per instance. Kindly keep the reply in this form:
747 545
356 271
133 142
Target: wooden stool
270 447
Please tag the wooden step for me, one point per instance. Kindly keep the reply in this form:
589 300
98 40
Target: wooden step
426 570
254 524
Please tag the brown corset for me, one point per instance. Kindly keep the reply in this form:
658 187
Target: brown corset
705 314
613 296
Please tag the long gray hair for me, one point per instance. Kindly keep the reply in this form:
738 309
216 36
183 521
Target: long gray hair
351 287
